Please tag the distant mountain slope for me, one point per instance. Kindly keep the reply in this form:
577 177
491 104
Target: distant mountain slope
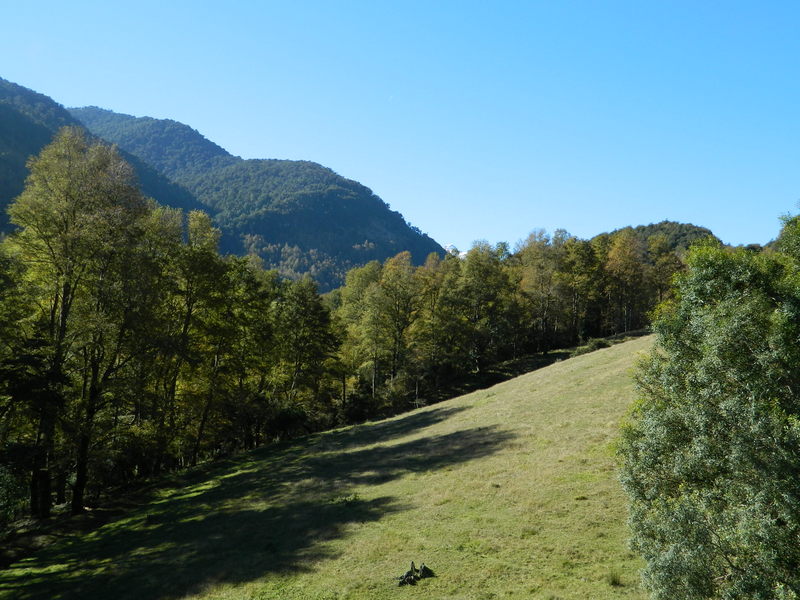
300 217
679 235
297 215
28 122
171 147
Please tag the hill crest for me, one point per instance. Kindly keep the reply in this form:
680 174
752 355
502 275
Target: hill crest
169 146
28 122
299 216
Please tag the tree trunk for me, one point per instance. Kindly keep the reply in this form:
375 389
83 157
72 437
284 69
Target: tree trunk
79 489
41 495
61 487
201 429
206 411
84 442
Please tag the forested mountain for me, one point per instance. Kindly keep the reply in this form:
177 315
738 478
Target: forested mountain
173 148
28 122
300 217
677 236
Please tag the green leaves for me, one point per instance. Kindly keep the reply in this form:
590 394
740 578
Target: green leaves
711 456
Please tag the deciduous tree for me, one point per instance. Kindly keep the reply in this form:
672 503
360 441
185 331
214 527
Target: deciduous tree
711 456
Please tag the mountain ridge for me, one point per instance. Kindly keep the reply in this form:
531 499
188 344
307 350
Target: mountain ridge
28 122
298 216
148 138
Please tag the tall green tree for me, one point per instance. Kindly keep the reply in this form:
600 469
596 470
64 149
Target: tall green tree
195 275
627 286
663 264
711 456
439 336
79 202
579 287
107 311
362 347
306 340
235 352
541 258
483 291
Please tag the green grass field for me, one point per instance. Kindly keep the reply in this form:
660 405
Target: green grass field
509 492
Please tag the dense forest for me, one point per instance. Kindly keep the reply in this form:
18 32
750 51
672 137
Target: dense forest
298 216
130 346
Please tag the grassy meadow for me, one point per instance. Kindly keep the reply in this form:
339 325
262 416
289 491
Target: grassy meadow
507 492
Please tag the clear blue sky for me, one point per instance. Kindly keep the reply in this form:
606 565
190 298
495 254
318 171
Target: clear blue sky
473 119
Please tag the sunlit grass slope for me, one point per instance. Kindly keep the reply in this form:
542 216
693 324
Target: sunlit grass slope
508 492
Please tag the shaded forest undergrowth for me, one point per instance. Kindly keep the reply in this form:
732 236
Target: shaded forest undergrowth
509 369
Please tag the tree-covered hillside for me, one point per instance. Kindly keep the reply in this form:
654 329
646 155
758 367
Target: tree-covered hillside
171 147
29 121
299 216
677 236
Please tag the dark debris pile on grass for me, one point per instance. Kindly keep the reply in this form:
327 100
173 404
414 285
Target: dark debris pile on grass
413 575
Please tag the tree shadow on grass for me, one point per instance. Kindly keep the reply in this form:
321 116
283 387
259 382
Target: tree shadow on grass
387 429
276 455
270 512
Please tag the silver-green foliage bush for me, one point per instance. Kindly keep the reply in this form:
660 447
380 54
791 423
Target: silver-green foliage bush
711 457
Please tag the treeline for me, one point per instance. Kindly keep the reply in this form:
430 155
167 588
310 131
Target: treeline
408 331
131 347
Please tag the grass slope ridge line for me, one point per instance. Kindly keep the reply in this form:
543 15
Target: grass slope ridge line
508 492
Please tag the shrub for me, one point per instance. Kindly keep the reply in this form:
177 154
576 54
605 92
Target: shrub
590 346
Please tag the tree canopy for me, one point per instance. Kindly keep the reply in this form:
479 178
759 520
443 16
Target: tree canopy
712 453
